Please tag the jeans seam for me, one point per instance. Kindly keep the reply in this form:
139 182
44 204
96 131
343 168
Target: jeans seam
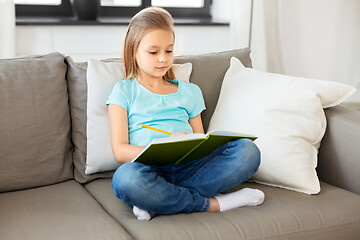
203 167
229 145
205 206
206 165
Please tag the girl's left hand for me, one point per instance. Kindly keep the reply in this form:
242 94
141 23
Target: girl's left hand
178 133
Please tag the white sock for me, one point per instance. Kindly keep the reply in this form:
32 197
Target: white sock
142 214
241 198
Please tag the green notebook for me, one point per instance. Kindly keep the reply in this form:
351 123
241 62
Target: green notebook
185 148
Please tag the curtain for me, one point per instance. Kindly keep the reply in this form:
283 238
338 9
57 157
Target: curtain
314 39
7 29
240 23
242 18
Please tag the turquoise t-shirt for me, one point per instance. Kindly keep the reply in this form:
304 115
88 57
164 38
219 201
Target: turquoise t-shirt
169 112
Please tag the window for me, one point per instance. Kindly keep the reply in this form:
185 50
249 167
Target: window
38 2
40 8
175 3
177 8
121 3
159 3
114 8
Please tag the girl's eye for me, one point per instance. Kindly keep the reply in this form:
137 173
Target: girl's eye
169 51
152 53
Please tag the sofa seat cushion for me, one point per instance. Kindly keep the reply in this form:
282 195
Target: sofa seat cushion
62 211
332 214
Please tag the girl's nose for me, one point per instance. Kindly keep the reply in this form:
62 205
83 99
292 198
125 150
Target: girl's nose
162 58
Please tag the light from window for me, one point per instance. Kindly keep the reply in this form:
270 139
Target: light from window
121 3
38 2
177 3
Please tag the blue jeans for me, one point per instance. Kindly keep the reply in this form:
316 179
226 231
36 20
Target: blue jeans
186 187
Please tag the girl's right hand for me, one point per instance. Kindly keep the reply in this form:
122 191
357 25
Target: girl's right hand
178 133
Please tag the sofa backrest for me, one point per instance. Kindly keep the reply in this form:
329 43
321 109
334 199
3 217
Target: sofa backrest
208 73
35 141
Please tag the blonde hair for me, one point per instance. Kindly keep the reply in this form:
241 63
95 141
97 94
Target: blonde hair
144 21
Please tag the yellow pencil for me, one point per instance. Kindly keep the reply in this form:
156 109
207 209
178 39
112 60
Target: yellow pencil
156 129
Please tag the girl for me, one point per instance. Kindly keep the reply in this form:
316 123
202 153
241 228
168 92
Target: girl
152 96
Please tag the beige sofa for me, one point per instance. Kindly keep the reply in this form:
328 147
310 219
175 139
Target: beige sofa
45 194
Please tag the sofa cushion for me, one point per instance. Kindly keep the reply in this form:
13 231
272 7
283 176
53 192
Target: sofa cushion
35 145
332 214
286 114
101 78
77 84
208 73
62 211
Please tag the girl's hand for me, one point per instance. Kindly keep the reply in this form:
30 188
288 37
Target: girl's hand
178 133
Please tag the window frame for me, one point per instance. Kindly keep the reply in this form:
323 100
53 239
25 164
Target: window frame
65 9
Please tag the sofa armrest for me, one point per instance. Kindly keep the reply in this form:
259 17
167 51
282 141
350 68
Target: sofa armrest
339 154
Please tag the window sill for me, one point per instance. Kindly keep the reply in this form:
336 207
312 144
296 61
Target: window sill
73 21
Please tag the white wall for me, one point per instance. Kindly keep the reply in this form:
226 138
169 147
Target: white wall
83 42
7 29
315 39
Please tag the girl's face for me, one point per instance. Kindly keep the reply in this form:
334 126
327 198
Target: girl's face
154 54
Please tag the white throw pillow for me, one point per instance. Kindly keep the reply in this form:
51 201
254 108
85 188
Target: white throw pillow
101 78
287 115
